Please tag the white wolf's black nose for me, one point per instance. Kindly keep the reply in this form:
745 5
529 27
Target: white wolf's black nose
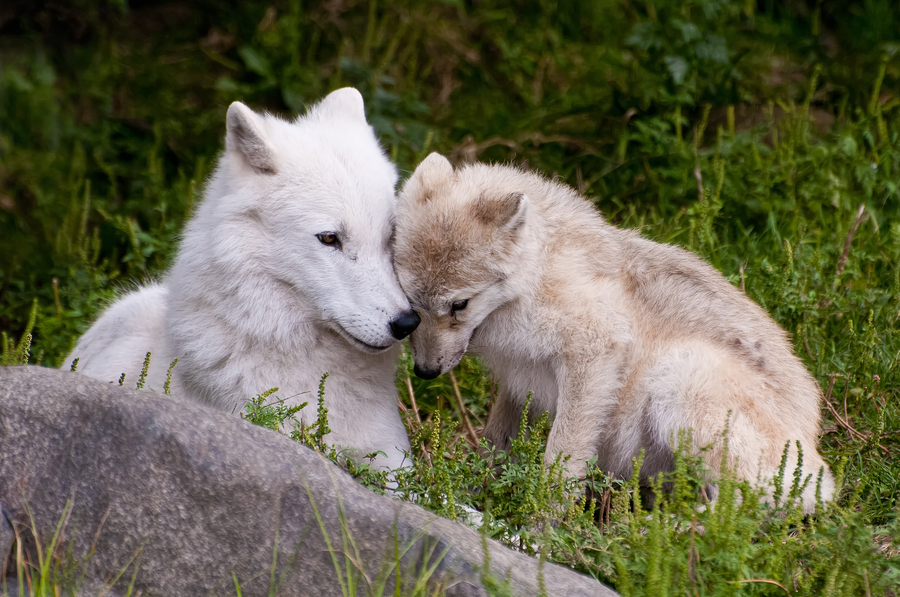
404 325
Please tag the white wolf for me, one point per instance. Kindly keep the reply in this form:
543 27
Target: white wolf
623 340
284 273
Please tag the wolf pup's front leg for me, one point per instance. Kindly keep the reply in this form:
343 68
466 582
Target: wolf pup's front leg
588 392
503 422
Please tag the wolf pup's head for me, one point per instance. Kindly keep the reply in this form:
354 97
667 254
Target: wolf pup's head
456 249
319 195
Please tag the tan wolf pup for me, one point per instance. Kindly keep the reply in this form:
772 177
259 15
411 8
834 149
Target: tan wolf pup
625 341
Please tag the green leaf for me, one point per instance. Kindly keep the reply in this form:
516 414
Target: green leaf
256 62
678 68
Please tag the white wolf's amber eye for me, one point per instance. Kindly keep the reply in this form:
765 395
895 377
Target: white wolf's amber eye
329 238
458 305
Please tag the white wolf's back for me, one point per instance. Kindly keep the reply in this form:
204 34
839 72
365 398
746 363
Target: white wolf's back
121 338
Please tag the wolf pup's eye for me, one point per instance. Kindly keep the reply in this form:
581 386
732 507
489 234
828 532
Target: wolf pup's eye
329 238
458 305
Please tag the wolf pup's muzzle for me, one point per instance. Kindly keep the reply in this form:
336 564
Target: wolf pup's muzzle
426 373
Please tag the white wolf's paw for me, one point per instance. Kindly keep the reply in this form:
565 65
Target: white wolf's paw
471 518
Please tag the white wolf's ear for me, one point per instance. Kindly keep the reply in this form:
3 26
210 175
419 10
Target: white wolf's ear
245 138
434 172
506 214
344 103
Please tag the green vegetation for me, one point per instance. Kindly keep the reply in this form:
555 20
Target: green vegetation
54 570
765 136
676 545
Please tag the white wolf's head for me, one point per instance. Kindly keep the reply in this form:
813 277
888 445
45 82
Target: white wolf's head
318 194
456 248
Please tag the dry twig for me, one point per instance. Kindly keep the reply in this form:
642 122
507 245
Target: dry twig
699 176
473 436
842 262
808 349
412 400
764 580
846 391
834 413
693 557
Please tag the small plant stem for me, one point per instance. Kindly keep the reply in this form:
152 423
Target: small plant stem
56 302
846 391
412 400
763 580
167 387
834 413
462 410
143 376
808 349
699 176
678 124
97 534
693 556
842 262
474 416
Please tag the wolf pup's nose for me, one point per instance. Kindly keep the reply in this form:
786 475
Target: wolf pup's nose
404 325
426 373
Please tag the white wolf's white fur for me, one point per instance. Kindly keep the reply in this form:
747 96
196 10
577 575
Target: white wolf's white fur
623 340
256 300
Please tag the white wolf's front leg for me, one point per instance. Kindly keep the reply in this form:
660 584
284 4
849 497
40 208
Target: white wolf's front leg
588 391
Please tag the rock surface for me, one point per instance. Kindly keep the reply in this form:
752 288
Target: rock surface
196 498
7 537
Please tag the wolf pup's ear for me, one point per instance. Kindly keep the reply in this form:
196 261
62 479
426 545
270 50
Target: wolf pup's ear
245 138
506 214
434 172
344 103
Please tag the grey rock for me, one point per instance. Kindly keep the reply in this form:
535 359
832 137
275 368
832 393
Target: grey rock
7 535
195 498
7 538
10 588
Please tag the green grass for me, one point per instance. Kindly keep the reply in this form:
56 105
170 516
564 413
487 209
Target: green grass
49 568
765 136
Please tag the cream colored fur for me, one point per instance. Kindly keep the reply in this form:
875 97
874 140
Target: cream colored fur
624 341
